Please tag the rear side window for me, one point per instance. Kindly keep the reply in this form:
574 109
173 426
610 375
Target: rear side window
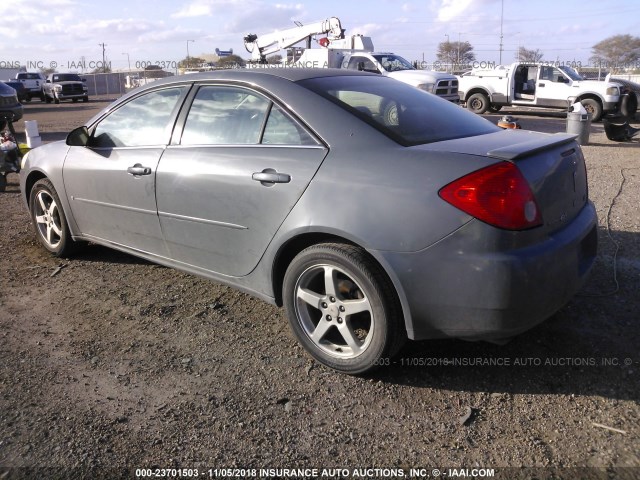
222 115
225 116
404 113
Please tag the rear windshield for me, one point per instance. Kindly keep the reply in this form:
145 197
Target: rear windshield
29 76
66 77
404 113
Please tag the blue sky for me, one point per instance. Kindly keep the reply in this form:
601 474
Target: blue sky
65 31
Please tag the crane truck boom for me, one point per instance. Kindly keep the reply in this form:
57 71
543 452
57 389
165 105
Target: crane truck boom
261 46
355 52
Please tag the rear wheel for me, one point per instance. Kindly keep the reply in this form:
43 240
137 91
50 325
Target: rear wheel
49 220
478 103
593 107
342 308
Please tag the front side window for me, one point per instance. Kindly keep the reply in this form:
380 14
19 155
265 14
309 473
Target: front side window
402 112
143 121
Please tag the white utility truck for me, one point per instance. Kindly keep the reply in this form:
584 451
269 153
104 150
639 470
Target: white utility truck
541 85
355 52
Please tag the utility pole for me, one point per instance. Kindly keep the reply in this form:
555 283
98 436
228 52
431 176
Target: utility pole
501 21
104 68
187 66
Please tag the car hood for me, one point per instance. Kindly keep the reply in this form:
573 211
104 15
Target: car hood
594 84
69 82
419 76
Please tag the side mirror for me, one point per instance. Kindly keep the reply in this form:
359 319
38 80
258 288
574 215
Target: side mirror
78 137
48 81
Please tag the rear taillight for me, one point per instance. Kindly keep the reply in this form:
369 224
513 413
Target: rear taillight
498 195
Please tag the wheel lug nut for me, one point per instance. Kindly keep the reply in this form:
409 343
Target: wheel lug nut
324 305
342 308
333 299
329 318
339 319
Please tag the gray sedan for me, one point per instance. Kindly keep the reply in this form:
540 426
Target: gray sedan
372 211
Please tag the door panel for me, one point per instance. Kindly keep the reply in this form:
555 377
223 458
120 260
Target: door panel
111 204
215 215
553 88
111 182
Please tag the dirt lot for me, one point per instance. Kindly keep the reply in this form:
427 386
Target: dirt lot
109 364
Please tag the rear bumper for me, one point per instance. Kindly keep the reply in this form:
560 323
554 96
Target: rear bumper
460 288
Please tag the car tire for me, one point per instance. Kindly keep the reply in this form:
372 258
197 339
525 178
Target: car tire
593 107
390 114
27 99
495 108
74 100
49 219
343 308
85 99
43 97
3 182
478 103
56 100
47 99
629 106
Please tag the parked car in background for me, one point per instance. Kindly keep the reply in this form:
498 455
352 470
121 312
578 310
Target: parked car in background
294 186
65 86
33 83
9 102
21 92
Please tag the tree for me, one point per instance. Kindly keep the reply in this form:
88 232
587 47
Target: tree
616 52
191 62
47 71
231 61
529 56
274 59
456 53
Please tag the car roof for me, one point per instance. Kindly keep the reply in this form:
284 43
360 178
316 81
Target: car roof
255 74
6 89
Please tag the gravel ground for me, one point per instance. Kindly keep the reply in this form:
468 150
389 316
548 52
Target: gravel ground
109 363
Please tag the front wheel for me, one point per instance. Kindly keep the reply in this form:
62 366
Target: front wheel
478 103
342 308
495 108
593 107
49 219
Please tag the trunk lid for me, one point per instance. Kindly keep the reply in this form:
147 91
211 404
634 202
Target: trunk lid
552 164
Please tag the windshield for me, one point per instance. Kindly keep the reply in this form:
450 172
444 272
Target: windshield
393 63
404 113
571 73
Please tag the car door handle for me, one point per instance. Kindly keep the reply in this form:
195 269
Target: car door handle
138 169
541 84
269 176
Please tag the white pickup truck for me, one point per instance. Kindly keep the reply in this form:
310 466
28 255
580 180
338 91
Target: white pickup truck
32 82
542 85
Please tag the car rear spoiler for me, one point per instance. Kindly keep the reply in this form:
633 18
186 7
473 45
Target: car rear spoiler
524 149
